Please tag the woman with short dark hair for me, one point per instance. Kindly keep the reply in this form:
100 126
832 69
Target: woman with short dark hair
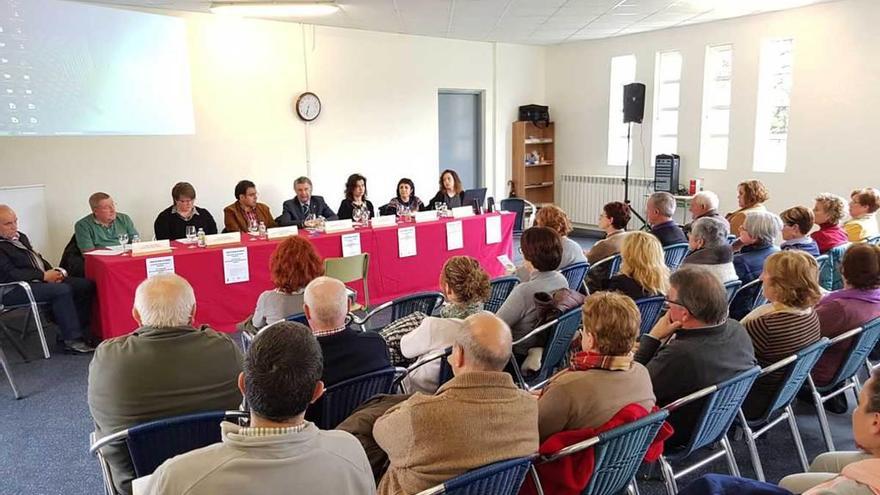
356 199
172 221
613 219
405 198
451 191
797 222
863 206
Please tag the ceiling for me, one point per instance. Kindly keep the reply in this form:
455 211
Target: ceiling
535 22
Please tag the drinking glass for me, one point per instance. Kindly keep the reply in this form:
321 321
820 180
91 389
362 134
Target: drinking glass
123 240
191 236
135 239
253 228
357 216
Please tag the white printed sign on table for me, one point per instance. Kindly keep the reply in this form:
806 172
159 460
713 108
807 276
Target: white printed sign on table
159 266
351 244
235 265
279 232
406 242
493 229
454 236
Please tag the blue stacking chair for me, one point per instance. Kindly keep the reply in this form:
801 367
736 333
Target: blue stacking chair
612 263
33 308
561 332
575 273
298 318
747 298
722 402
875 240
731 286
445 369
499 478
826 271
797 368
863 341
500 288
618 453
836 254
426 302
650 308
674 254
342 398
150 444
247 339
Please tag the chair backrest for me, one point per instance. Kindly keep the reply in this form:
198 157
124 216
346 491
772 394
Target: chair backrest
836 254
862 345
674 254
731 286
445 369
650 308
347 269
500 288
298 318
875 240
518 206
719 410
796 373
558 342
342 398
391 311
499 478
826 271
612 263
151 444
574 273
747 298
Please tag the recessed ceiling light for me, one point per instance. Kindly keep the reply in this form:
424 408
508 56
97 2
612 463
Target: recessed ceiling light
275 9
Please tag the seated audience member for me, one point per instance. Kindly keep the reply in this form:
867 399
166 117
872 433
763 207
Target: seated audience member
704 204
643 271
602 378
786 324
477 418
69 297
709 248
660 210
246 213
863 206
164 368
613 219
751 196
279 449
708 347
553 217
406 198
347 352
356 205
102 228
828 212
796 225
848 473
451 191
542 250
295 211
173 221
292 266
758 237
843 310
466 287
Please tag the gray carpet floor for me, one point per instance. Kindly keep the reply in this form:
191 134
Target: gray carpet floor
44 436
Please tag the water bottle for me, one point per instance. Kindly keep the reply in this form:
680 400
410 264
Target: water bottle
262 230
201 237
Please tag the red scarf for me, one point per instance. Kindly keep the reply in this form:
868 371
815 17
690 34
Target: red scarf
588 360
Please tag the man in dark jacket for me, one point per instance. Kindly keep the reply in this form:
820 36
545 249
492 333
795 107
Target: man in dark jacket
69 297
660 209
707 349
294 211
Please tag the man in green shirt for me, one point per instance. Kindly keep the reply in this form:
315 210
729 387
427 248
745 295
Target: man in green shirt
102 228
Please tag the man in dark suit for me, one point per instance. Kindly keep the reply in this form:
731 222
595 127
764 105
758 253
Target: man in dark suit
661 208
70 297
294 211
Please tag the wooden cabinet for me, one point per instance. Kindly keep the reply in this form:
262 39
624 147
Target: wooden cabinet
533 169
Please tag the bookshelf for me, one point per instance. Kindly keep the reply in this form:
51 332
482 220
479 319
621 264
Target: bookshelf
533 182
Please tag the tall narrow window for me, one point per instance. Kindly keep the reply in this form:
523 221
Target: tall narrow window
715 130
623 72
667 86
774 99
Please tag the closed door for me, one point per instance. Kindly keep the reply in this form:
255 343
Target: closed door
461 135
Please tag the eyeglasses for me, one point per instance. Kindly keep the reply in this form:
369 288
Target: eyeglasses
673 301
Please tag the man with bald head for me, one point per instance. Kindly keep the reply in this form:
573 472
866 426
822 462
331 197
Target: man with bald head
69 297
477 418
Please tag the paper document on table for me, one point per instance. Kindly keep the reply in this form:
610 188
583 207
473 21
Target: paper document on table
454 236
235 265
493 229
104 252
158 266
506 263
351 244
406 242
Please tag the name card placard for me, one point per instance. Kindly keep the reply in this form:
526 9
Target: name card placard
220 239
384 221
426 216
150 247
463 211
338 226
279 232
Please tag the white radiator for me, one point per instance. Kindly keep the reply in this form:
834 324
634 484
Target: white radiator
583 196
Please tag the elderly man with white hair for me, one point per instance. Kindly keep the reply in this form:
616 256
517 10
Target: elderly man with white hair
704 204
660 210
164 368
709 248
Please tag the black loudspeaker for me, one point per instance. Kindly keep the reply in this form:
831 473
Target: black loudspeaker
633 103
666 173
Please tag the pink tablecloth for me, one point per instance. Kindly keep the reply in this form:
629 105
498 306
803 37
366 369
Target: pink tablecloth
222 306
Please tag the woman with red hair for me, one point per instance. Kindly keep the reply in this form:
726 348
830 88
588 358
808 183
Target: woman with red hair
293 265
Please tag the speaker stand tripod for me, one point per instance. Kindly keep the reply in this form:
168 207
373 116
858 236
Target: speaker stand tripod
626 200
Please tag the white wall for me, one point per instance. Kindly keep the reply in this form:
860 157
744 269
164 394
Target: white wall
379 95
833 141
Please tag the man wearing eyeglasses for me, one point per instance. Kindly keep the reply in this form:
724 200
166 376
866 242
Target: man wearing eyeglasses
694 345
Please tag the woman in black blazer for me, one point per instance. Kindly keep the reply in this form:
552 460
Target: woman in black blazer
451 192
355 198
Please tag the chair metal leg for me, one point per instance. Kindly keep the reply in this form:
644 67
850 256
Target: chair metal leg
668 476
798 442
728 453
37 320
5 365
820 412
753 448
633 487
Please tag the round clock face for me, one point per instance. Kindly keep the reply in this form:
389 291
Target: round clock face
308 106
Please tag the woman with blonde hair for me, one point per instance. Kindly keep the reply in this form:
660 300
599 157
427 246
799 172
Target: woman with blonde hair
786 324
554 217
643 270
827 213
750 195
